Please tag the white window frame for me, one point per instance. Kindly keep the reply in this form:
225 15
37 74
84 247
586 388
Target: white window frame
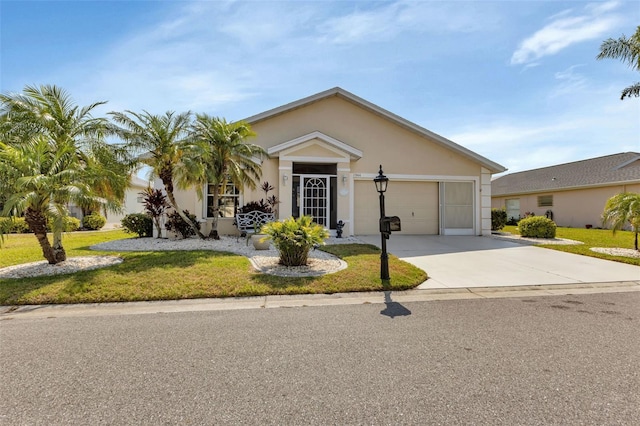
223 195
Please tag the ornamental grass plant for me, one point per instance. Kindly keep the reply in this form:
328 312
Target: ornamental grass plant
293 238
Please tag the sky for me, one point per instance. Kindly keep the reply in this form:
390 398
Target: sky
515 81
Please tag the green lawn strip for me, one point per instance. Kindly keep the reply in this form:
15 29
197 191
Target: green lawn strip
24 248
198 274
591 238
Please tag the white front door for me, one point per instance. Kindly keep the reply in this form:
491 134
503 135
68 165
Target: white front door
315 200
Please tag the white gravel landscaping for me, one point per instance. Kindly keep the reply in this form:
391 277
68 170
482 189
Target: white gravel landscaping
266 261
71 265
615 251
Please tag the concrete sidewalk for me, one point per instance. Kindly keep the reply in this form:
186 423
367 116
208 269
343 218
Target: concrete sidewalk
472 262
38 312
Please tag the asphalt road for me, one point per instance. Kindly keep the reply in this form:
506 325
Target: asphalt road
539 360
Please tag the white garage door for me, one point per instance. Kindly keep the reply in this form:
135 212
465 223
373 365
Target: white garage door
415 203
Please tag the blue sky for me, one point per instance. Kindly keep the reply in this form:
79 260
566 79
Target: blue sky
514 81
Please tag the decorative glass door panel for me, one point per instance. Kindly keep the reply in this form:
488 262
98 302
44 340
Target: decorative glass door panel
315 199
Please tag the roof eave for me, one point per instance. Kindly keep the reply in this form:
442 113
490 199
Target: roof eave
567 188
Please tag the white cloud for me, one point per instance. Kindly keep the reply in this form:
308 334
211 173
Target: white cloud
566 29
598 124
385 22
569 81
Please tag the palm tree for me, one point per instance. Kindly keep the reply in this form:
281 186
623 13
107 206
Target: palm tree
161 142
51 153
628 51
623 209
226 156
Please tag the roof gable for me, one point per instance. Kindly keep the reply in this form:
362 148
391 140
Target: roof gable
343 94
332 146
601 171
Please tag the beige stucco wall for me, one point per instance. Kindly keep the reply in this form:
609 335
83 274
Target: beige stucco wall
404 154
381 141
572 208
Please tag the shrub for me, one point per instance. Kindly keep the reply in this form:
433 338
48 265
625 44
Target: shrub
15 225
260 206
155 205
177 224
138 223
498 219
266 205
70 224
294 237
537 227
94 221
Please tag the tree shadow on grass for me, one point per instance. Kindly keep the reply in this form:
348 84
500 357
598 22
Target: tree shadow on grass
137 267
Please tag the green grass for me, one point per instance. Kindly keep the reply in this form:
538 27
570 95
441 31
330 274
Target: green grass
591 238
185 274
24 248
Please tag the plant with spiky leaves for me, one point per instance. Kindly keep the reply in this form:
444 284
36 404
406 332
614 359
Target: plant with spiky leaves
621 210
52 153
161 142
155 204
226 156
628 51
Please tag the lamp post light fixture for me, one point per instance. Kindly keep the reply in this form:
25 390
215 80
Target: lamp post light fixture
381 182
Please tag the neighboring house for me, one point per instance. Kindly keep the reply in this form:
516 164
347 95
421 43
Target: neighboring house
573 193
132 203
325 150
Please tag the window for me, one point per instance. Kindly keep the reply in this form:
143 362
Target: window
513 208
545 201
227 200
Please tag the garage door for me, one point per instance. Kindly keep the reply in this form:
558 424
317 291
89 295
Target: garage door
416 203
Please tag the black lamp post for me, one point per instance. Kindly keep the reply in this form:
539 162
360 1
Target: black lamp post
381 182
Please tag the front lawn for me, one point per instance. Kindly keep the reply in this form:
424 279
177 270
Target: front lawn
591 238
185 274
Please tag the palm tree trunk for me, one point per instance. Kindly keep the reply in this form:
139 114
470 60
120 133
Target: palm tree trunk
58 251
636 240
38 225
216 213
168 186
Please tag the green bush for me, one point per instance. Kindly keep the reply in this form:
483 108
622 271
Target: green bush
498 219
70 224
537 227
177 224
93 222
138 223
16 225
294 237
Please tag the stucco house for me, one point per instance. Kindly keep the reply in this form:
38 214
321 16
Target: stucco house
574 193
132 203
324 151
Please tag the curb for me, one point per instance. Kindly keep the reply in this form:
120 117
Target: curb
307 300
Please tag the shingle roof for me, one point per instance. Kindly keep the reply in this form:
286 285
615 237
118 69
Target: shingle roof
610 169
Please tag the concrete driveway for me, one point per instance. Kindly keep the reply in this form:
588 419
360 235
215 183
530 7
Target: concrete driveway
462 262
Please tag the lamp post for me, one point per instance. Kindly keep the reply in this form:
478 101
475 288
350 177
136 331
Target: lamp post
381 182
